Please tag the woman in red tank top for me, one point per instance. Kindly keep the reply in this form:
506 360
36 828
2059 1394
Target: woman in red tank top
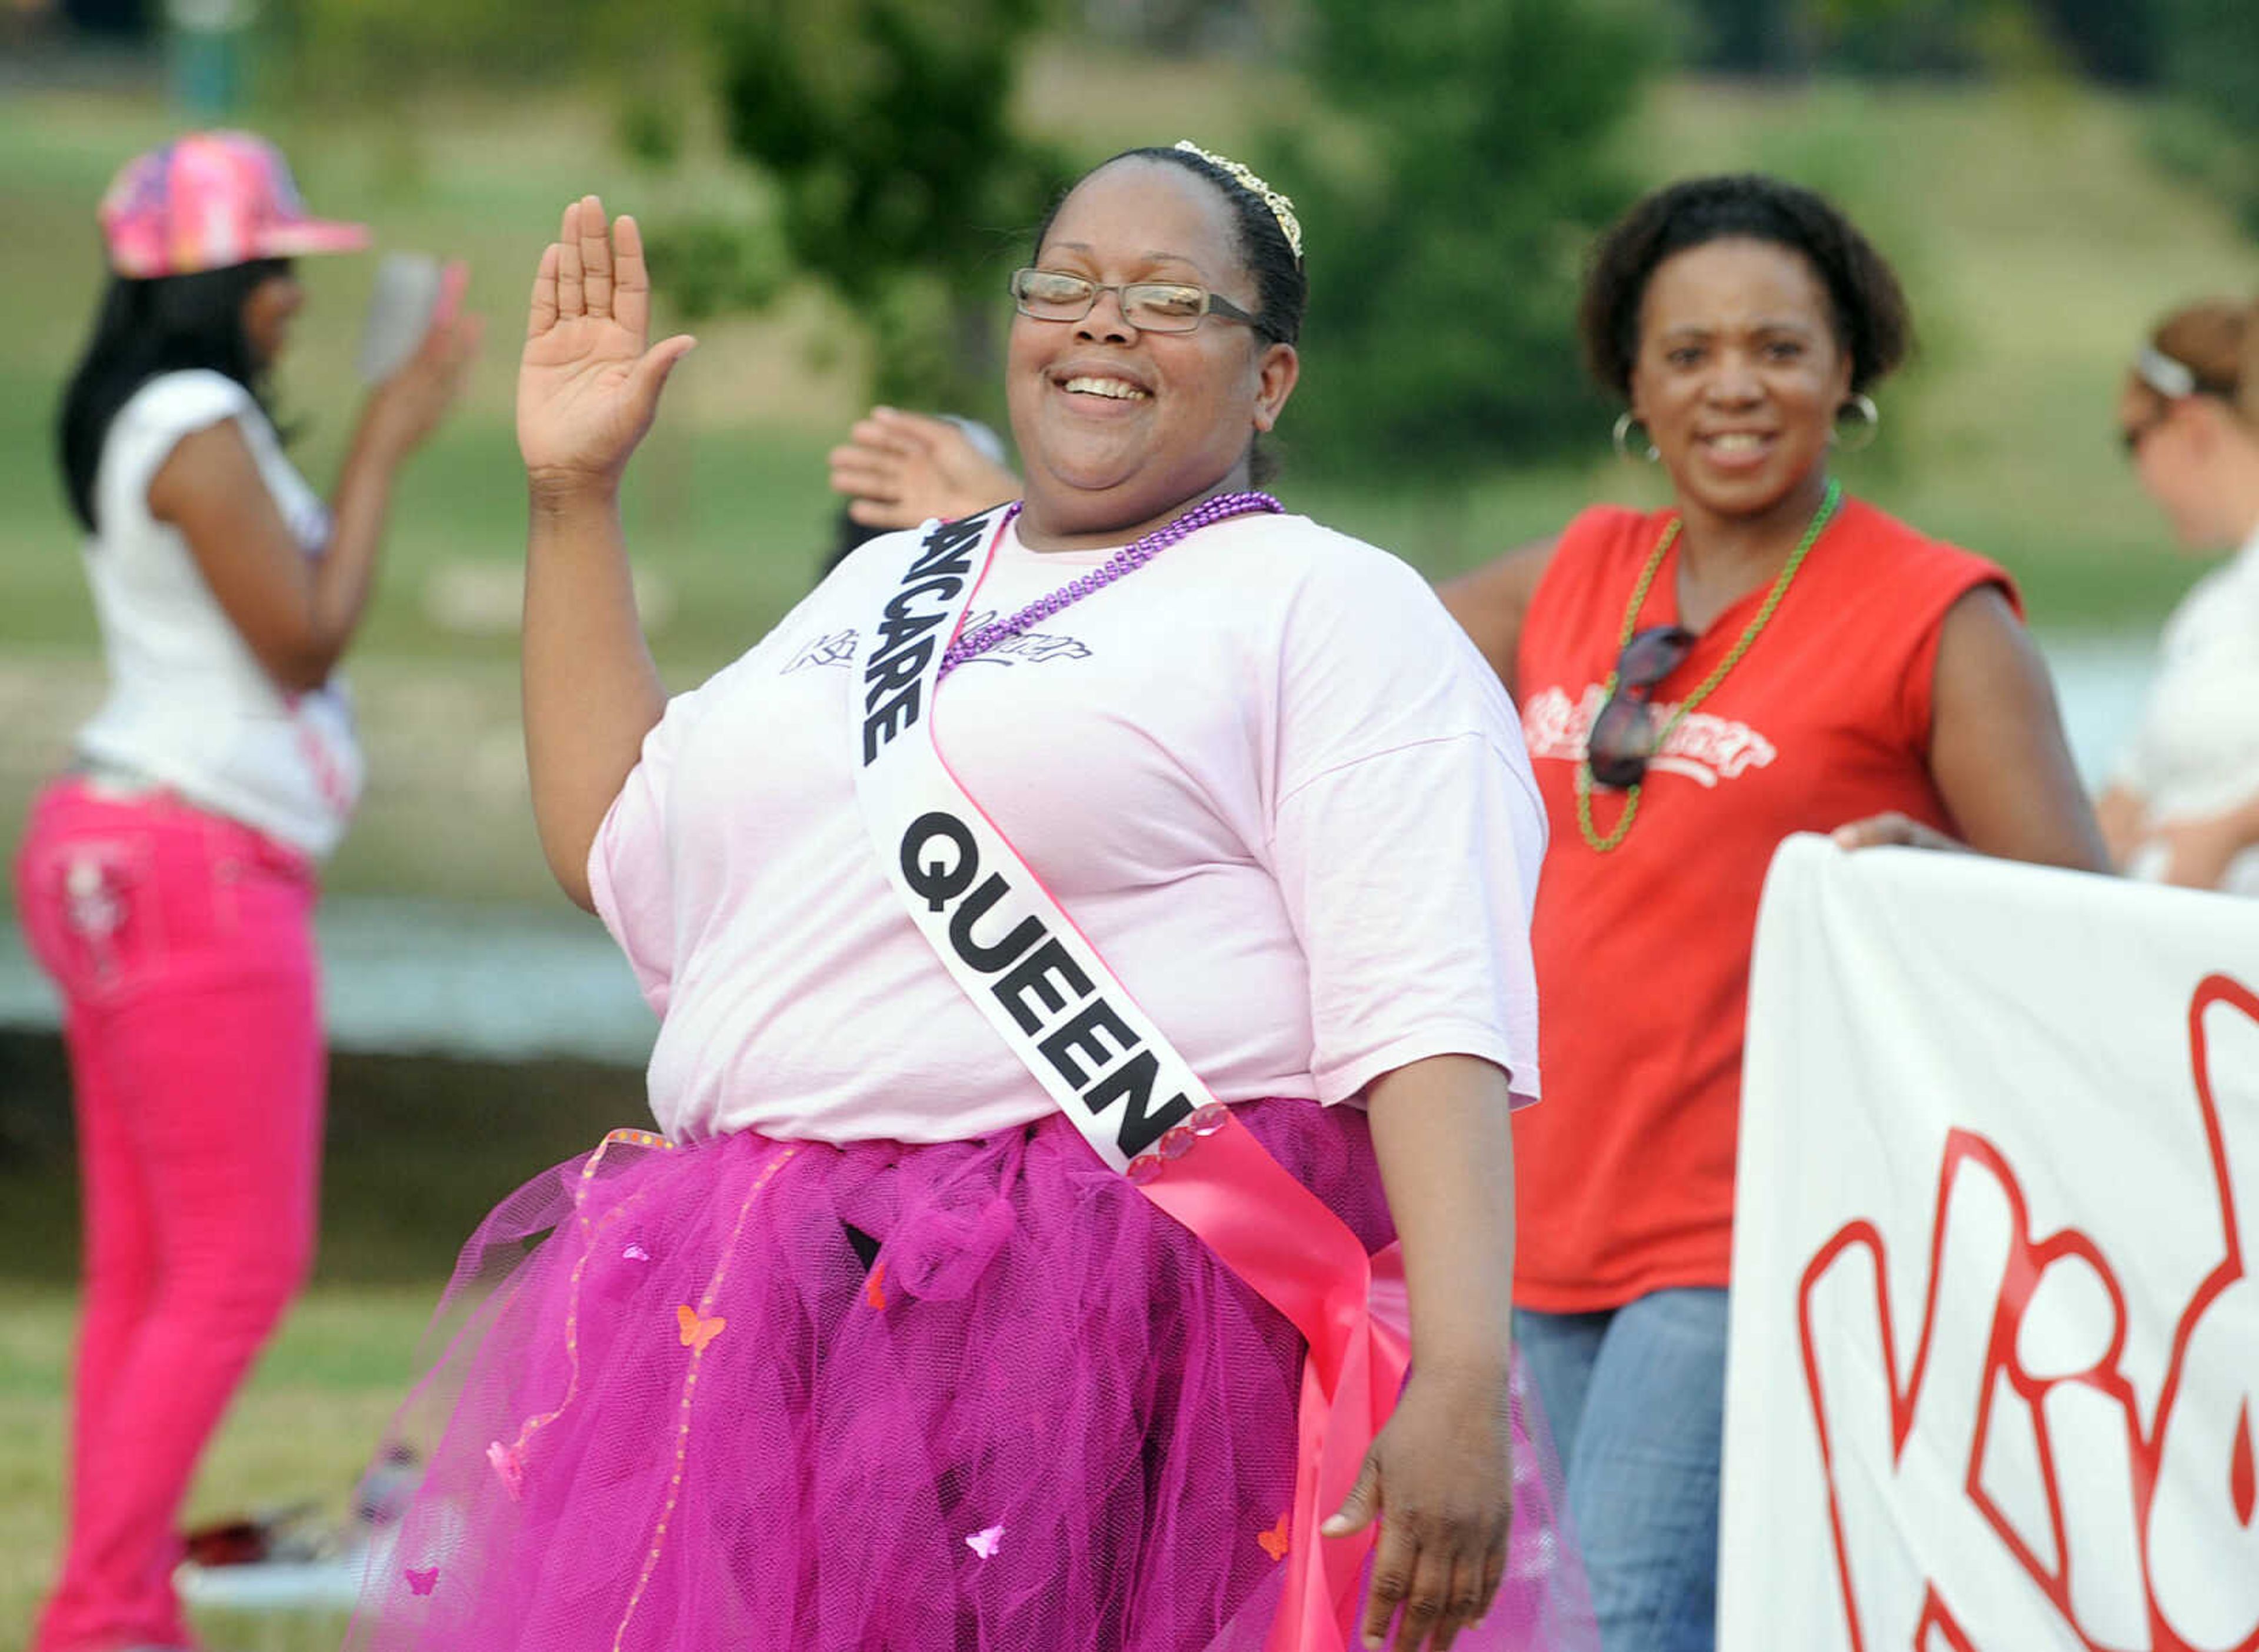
1765 657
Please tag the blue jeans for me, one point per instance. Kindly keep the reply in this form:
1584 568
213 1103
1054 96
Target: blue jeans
1636 1398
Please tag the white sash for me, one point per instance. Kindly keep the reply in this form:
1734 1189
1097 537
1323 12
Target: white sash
1042 984
996 929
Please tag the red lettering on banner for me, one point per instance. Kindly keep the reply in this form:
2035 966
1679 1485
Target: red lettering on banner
2017 1388
2239 1472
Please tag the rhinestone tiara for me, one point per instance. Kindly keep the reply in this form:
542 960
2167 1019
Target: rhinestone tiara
1281 208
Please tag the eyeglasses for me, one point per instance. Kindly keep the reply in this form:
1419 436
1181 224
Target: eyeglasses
1046 294
1623 739
2132 436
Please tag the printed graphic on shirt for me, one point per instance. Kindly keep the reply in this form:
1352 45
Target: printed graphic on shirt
838 649
1033 647
308 521
327 761
1703 748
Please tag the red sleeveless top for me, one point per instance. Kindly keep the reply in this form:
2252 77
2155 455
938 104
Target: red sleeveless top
1625 1174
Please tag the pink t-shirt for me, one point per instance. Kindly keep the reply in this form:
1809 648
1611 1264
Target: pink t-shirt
1266 773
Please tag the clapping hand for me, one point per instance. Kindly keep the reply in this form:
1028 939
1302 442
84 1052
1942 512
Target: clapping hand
586 386
408 407
900 469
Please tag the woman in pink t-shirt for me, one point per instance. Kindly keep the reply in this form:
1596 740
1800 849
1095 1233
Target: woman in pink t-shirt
870 1348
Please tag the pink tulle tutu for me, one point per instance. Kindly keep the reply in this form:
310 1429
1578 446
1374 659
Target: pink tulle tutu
979 1397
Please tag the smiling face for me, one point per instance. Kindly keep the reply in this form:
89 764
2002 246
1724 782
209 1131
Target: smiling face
1739 376
268 310
1121 429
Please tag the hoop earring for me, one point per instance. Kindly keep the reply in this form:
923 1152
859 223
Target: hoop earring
1869 425
1621 436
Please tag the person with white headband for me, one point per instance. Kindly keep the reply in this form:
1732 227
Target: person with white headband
1062 1017
2183 806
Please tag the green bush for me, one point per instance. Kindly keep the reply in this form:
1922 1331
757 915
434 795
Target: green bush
901 182
2212 132
1455 171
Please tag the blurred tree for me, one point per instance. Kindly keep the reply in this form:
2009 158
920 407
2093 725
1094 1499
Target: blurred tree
1747 37
1448 185
1907 37
125 19
1181 28
881 125
2211 67
901 182
2115 40
369 54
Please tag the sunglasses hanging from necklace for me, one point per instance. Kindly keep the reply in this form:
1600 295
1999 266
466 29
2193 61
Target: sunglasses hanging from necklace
1623 738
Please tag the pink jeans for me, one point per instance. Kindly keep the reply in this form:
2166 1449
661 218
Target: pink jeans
182 944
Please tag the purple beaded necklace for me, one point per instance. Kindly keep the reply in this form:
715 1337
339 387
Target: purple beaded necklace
1131 557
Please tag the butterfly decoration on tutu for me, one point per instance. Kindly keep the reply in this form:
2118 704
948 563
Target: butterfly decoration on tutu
986 1542
1276 1541
508 1464
423 1580
874 1286
697 1332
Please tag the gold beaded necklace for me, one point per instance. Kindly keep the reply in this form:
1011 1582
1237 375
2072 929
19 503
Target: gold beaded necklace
1820 521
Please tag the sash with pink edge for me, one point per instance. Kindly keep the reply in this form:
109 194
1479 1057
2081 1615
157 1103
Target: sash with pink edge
1038 980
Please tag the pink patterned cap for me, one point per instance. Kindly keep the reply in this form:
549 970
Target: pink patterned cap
209 200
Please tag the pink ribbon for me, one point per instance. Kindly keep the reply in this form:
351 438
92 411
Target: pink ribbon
1302 1259
1284 1241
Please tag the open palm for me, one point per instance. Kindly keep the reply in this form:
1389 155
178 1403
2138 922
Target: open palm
586 386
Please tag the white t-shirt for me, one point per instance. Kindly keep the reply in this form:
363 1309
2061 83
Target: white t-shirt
1266 774
2197 753
190 705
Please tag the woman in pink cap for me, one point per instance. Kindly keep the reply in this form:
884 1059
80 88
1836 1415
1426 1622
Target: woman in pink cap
167 882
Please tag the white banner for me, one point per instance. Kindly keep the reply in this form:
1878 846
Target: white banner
1994 1370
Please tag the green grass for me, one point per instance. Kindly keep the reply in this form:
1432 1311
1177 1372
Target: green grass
301 1430
417 1150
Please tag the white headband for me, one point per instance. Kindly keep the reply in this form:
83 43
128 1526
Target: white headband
2168 378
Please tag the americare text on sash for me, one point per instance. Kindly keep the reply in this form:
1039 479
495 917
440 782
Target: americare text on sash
893 692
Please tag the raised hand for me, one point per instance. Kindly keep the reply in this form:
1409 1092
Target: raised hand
587 385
